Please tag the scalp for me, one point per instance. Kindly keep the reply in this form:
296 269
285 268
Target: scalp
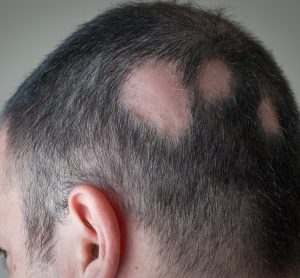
268 116
214 80
154 94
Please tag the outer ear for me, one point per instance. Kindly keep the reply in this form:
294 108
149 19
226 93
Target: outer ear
98 231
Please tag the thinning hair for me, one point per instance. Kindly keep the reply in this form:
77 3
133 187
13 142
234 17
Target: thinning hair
221 197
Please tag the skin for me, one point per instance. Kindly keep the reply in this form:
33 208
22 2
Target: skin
215 70
154 94
268 116
12 237
92 224
94 240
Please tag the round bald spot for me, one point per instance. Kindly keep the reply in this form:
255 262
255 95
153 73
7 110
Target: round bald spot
154 94
214 80
268 116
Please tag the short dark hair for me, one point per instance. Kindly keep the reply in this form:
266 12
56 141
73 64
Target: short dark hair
222 200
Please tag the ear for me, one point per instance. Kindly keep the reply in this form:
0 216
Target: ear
98 232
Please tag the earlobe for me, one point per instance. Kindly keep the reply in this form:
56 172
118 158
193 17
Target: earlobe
98 231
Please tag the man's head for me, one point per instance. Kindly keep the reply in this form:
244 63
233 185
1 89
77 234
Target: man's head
158 140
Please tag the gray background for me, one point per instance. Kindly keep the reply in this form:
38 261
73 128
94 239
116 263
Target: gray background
29 29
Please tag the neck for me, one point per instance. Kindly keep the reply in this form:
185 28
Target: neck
138 256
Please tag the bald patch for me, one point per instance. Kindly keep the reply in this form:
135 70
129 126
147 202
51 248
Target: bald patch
154 94
214 80
268 116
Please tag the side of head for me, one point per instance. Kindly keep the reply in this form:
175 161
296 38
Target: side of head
169 119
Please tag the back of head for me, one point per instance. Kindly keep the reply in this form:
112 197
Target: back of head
184 120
